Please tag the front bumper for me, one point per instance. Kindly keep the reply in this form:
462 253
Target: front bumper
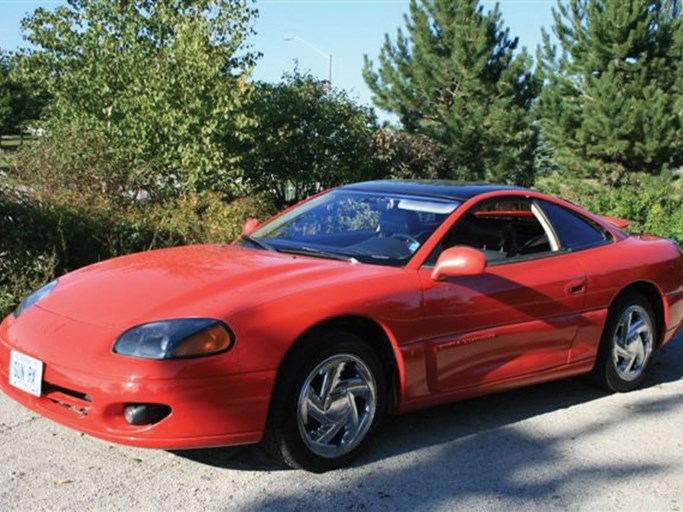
206 411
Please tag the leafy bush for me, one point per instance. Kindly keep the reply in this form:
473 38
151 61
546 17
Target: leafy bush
20 103
76 163
403 155
653 204
159 84
46 234
305 138
192 219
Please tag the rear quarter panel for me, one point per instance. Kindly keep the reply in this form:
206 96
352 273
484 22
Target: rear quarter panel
611 268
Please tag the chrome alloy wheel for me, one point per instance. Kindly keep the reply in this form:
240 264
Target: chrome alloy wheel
632 343
336 405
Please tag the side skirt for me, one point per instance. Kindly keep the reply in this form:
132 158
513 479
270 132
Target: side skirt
562 372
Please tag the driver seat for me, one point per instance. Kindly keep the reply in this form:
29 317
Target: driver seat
397 221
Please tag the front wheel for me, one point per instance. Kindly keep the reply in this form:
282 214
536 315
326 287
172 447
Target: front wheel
627 344
329 399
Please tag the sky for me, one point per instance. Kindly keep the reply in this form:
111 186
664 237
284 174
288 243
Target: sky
346 29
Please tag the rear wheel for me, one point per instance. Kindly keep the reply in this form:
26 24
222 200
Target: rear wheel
627 344
329 399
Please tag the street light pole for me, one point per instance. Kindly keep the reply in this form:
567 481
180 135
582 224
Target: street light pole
329 72
328 56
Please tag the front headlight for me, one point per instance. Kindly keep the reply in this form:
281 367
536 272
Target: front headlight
36 296
175 339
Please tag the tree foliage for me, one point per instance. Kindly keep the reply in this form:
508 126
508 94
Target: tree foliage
305 138
403 155
609 105
652 204
161 82
20 104
453 75
47 234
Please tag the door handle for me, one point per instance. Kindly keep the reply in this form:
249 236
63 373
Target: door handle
575 287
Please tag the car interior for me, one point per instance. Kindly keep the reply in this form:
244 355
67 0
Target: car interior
380 229
396 221
501 229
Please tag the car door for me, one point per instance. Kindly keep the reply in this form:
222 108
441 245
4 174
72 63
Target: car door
517 318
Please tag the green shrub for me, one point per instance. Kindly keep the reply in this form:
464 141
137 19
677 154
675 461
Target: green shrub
47 234
193 219
159 83
24 264
653 204
82 163
403 155
305 138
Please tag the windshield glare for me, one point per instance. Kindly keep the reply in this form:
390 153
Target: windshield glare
369 227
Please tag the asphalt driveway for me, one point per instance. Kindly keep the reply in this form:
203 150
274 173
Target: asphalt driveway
563 445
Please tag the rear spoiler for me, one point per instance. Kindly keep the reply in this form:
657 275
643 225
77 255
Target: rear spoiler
616 221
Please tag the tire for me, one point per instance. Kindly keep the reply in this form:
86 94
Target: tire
318 427
627 344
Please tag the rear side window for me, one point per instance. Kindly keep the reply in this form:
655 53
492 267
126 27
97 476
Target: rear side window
573 231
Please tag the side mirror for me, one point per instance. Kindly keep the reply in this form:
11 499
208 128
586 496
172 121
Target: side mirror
459 261
250 225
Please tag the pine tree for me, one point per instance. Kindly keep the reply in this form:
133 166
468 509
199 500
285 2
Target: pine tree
609 104
453 75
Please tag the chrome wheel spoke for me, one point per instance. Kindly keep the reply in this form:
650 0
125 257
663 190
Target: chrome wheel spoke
353 419
640 352
335 412
328 433
330 381
632 342
620 334
636 328
621 351
643 329
313 410
629 365
359 388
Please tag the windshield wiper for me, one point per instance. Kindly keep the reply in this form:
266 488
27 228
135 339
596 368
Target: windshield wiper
258 243
310 251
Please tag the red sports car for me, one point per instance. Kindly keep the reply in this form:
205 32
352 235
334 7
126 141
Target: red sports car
369 299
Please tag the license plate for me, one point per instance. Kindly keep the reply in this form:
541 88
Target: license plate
25 373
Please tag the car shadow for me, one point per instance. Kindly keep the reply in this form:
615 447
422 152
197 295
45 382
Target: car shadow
460 420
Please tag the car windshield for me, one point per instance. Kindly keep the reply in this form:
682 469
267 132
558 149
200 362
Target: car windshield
385 229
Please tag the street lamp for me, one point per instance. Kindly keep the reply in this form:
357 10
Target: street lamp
328 56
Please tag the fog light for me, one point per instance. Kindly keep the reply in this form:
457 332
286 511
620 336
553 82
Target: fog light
145 414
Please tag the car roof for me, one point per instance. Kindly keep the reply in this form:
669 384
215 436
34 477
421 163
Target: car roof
434 188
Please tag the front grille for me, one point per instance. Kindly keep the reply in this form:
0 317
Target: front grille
74 401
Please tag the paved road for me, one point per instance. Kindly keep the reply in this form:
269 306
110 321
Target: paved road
562 445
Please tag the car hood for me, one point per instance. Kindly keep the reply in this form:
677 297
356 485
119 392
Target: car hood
191 281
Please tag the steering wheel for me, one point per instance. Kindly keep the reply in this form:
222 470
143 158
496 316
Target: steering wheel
406 238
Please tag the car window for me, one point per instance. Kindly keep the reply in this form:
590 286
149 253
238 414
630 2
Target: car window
573 231
348 214
503 230
379 228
